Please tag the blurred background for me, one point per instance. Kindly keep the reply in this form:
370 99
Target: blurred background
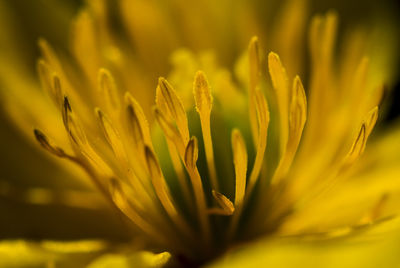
27 172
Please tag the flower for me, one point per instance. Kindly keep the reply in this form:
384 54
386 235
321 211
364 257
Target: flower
222 158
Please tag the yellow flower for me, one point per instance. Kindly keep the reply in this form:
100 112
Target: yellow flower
223 157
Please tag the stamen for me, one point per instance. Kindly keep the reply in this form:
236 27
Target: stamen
47 144
136 128
176 149
170 110
297 119
163 192
226 207
254 64
254 80
119 199
240 162
170 131
112 136
57 90
370 120
73 128
356 150
50 82
79 141
322 41
358 145
66 109
180 173
203 99
135 113
191 155
142 187
170 104
108 91
263 122
202 94
280 84
54 65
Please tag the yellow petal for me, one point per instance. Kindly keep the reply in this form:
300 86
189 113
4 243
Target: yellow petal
143 259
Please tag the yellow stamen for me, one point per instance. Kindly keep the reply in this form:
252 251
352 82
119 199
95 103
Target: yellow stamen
138 121
170 132
254 64
297 119
48 144
240 162
79 141
180 173
108 91
254 80
114 140
71 124
56 69
263 122
57 90
112 137
122 203
370 120
225 206
359 143
356 150
191 155
50 83
280 84
321 95
203 99
140 135
169 110
163 192
135 127
170 104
